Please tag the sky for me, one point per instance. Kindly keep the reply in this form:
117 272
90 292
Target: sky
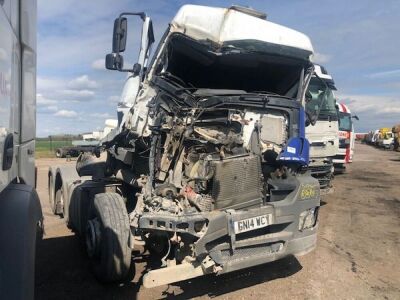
357 41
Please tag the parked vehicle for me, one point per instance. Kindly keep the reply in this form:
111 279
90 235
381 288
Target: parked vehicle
208 169
20 210
89 143
323 134
346 139
385 138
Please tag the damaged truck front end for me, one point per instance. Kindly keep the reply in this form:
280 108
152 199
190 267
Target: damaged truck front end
210 151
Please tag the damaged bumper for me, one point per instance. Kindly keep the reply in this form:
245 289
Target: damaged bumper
236 239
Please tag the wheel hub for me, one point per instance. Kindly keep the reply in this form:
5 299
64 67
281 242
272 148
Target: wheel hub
93 237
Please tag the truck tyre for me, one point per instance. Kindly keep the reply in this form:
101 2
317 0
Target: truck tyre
59 203
107 238
52 198
60 153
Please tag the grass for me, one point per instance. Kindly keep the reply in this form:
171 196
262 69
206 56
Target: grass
45 148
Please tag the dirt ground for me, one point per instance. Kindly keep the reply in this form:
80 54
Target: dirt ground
357 256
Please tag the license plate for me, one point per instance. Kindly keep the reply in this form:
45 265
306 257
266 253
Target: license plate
253 223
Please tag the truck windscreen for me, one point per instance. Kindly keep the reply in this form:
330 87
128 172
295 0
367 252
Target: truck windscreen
345 122
322 99
201 66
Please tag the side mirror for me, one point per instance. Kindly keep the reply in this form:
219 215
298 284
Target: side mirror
356 117
119 34
136 69
114 61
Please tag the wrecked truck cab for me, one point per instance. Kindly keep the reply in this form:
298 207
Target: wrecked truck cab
208 168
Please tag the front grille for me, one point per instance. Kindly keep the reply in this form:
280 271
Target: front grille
339 156
320 169
237 182
324 182
322 173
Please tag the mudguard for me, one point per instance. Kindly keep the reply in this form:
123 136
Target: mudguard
20 219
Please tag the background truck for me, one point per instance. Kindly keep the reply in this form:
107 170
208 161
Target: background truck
346 139
20 210
89 142
207 165
323 132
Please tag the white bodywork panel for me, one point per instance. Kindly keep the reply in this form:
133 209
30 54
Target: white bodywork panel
223 24
9 87
18 90
325 134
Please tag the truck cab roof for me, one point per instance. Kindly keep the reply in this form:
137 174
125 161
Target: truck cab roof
226 26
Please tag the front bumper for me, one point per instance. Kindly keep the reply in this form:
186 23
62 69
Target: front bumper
220 250
282 238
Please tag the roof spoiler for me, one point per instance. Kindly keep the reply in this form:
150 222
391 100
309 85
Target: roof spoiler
249 11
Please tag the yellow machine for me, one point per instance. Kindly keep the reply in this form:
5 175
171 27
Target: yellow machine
385 138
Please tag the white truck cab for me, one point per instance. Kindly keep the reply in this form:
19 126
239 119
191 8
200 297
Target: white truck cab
346 138
209 155
20 211
323 135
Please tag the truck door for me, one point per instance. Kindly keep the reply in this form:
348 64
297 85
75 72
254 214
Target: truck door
28 93
133 81
9 91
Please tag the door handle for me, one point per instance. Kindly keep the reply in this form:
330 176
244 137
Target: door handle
8 153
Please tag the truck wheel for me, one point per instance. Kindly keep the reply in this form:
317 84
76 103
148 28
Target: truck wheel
107 238
51 195
59 203
60 153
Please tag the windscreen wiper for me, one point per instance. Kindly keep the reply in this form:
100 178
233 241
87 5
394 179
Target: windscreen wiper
270 94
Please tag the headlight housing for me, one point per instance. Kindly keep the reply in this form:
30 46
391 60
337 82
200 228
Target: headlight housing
308 218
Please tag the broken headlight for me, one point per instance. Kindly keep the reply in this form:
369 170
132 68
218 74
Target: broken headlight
308 218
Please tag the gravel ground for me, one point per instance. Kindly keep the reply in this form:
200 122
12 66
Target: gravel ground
357 256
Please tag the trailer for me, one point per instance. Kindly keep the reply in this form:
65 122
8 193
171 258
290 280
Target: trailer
20 211
77 148
208 165
89 143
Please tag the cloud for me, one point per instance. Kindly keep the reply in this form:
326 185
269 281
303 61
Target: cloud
49 84
41 100
77 95
373 104
66 113
81 83
52 108
101 115
47 109
98 64
114 99
388 74
321 58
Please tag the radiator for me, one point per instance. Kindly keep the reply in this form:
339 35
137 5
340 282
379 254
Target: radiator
237 182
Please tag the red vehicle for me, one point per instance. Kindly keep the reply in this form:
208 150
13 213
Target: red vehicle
346 138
